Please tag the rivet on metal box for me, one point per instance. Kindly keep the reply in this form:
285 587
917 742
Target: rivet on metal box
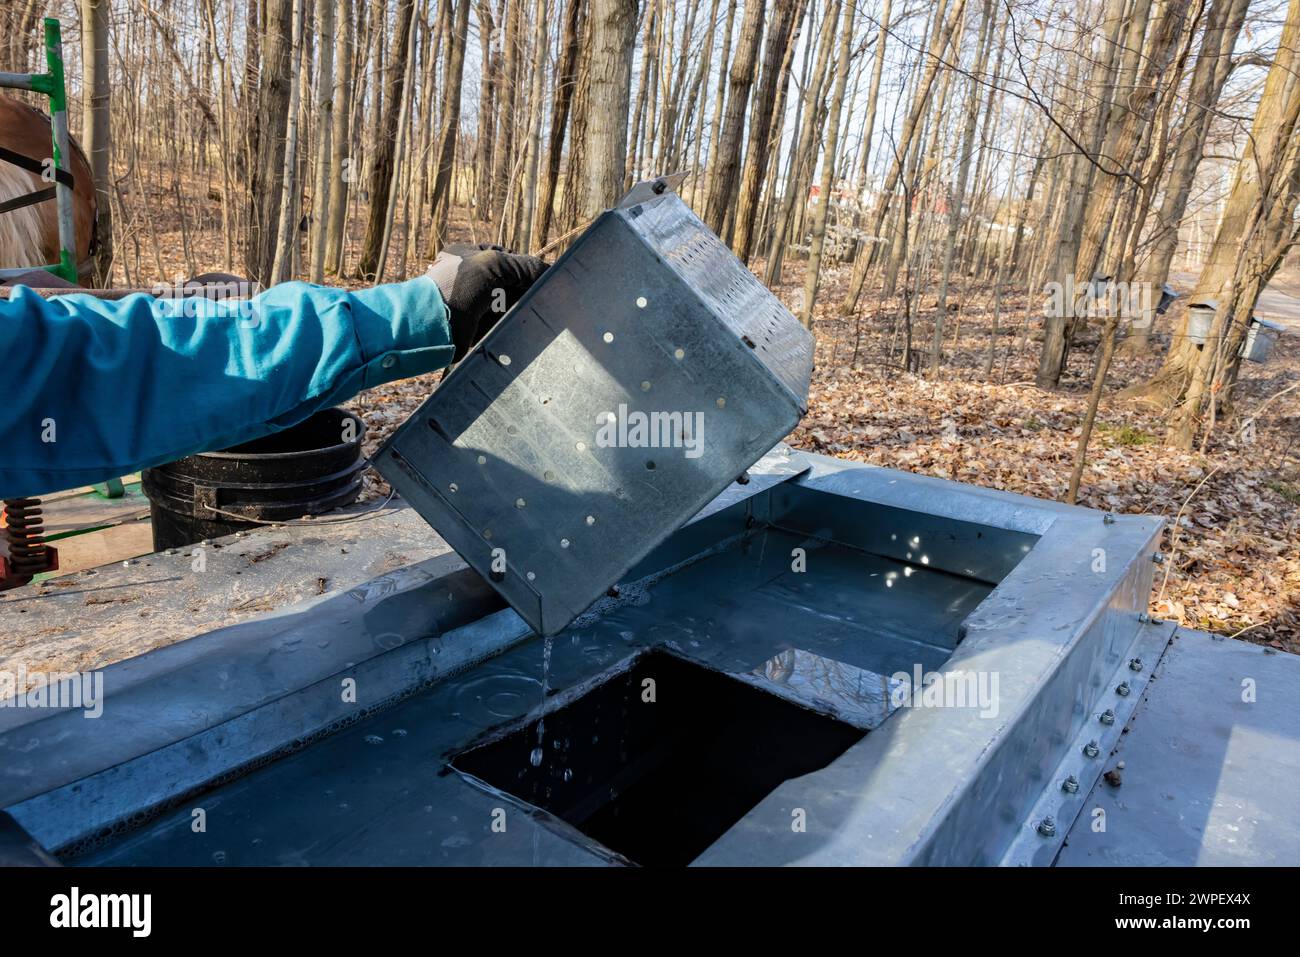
637 379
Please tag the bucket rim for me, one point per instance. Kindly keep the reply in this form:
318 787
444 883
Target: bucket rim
265 456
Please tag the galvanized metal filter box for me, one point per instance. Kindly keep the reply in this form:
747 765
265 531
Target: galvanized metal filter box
642 374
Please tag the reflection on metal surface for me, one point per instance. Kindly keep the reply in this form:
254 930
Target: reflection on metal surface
861 697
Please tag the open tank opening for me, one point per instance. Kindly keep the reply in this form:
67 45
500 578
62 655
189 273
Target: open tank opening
772 652
657 762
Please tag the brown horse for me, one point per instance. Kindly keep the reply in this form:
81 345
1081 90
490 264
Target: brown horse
30 236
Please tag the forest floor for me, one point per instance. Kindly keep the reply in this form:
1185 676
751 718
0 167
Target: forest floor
1231 508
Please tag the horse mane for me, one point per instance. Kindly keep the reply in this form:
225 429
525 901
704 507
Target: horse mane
26 130
22 231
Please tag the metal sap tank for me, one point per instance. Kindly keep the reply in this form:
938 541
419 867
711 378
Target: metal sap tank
638 378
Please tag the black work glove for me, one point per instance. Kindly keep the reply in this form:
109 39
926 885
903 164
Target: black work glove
479 284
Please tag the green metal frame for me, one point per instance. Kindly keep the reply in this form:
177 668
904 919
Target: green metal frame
51 85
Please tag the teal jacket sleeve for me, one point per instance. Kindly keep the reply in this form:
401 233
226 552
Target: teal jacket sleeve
96 389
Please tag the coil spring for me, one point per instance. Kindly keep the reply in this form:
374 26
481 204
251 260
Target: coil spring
24 528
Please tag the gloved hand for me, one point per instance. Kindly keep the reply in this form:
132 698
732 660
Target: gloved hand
479 284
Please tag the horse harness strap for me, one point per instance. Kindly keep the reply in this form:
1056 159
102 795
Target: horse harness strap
27 199
62 176
35 166
32 166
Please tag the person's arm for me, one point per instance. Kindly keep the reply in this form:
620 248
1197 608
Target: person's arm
96 389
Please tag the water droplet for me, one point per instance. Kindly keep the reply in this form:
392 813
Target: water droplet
568 774
374 739
535 759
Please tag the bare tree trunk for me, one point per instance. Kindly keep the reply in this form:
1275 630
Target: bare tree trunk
434 34
96 136
813 273
385 148
340 136
272 110
795 191
400 148
1134 206
1127 124
993 111
918 170
1213 65
702 94
725 158
507 94
576 168
959 191
1093 141
223 110
1118 149
678 98
490 64
1254 234
325 93
944 30
526 238
719 100
769 200
648 45
566 81
775 55
873 97
613 28
287 234
440 201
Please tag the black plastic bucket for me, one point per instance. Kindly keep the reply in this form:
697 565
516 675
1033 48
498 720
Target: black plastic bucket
304 470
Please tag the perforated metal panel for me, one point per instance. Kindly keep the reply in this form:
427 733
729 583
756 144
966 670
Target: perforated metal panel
637 379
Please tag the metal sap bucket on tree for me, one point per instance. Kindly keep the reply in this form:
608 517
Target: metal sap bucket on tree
1261 335
1200 319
